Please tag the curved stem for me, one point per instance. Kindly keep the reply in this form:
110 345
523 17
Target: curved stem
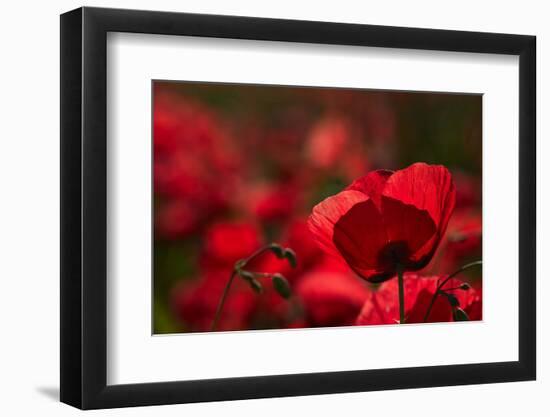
257 253
222 301
453 289
238 267
263 274
401 294
440 286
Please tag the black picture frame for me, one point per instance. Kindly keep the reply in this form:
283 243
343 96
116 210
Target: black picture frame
84 207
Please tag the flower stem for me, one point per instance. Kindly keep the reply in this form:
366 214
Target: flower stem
440 286
222 301
401 294
236 270
257 253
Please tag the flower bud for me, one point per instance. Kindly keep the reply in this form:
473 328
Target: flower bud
281 285
460 315
290 255
453 301
277 250
247 275
256 286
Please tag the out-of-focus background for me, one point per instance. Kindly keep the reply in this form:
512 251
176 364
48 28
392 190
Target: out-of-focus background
237 166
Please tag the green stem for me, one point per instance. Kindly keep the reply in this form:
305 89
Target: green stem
222 301
401 294
440 286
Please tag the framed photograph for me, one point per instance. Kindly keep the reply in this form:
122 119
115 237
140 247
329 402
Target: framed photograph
258 208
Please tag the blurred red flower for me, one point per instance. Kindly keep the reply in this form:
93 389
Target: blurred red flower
227 242
462 243
327 141
336 146
192 151
475 308
274 203
464 235
299 238
175 218
382 306
386 219
195 303
331 298
272 311
468 190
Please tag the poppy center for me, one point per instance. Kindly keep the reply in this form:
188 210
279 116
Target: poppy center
393 254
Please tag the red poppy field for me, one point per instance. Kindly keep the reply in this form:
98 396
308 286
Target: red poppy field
295 207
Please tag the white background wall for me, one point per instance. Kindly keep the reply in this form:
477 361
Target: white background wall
29 209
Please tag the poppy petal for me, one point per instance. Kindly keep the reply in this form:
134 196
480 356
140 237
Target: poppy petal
408 229
372 184
429 188
359 235
327 213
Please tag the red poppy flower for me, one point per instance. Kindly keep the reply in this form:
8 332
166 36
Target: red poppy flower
382 306
387 219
